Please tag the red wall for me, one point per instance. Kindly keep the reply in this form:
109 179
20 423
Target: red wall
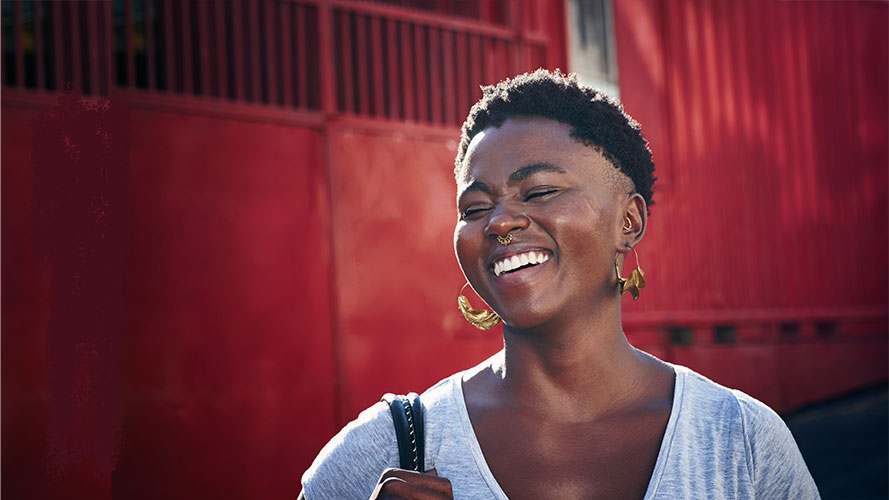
768 122
230 260
223 371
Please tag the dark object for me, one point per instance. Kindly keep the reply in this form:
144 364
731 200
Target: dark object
407 413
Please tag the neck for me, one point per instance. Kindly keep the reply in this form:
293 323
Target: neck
581 368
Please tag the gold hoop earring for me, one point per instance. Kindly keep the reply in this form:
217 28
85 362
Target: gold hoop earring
505 240
628 225
482 319
635 282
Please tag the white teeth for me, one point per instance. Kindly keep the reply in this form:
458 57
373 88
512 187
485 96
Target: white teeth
516 261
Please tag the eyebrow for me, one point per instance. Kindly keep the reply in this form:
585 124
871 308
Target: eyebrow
476 186
529 170
515 177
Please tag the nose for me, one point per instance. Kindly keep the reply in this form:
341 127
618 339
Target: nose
504 220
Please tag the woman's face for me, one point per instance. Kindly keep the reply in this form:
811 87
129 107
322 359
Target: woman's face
564 205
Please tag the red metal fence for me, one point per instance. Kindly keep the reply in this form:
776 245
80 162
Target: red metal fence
376 59
767 247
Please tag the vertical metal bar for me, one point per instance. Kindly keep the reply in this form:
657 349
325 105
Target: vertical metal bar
407 71
302 68
285 27
19 48
377 65
255 60
362 78
108 13
532 16
494 57
149 44
502 60
128 42
57 41
395 94
38 44
515 49
420 74
533 50
221 50
435 114
170 50
488 55
534 55
346 50
93 44
461 83
240 72
77 69
499 70
204 37
187 68
271 54
19 43
450 72
325 57
521 55
475 78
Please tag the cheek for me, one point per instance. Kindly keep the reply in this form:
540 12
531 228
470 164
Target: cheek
465 245
581 229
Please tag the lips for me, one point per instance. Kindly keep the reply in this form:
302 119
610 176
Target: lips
519 260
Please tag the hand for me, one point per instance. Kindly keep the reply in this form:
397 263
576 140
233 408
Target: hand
411 485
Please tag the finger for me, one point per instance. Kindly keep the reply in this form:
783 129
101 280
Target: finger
395 487
431 481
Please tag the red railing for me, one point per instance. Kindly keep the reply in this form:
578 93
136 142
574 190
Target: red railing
53 45
431 68
362 58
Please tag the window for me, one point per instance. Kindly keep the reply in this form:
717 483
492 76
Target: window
591 48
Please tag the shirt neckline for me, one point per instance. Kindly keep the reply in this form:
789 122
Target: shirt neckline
479 458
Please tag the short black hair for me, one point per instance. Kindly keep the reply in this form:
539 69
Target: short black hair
596 119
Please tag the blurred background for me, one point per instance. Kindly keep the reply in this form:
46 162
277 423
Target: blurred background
227 225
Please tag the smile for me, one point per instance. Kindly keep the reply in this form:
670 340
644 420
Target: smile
519 261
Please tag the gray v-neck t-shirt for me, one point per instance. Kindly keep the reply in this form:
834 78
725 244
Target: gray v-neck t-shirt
719 444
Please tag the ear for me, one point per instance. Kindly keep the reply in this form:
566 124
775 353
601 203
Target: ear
634 208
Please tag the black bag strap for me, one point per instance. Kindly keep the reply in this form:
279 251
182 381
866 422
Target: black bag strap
407 414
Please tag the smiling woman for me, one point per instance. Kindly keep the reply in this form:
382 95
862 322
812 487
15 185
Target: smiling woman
554 185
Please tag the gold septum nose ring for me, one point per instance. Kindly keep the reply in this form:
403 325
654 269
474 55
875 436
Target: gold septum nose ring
505 240
482 319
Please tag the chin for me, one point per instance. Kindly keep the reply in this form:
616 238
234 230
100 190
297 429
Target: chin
525 318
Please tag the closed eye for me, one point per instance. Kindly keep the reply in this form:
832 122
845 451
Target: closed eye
540 193
469 212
